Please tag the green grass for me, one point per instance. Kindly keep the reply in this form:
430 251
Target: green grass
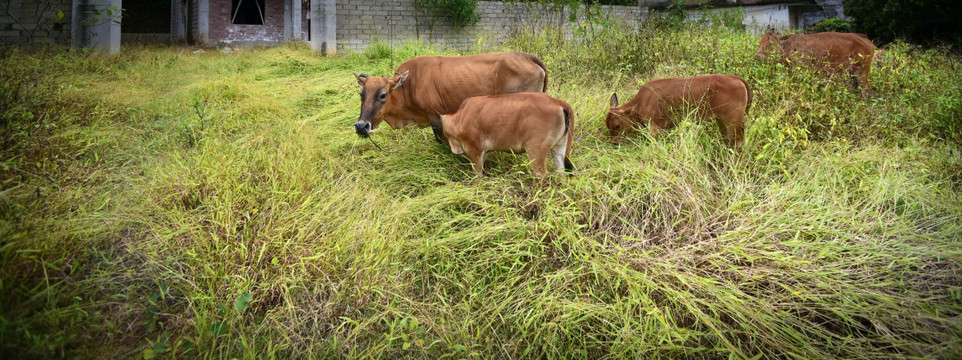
172 204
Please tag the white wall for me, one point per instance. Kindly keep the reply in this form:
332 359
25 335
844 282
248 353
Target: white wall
757 18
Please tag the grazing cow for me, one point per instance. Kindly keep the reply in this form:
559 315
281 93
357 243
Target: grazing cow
426 87
530 122
722 97
828 51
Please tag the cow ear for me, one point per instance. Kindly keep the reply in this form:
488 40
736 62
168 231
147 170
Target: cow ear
614 100
361 79
400 79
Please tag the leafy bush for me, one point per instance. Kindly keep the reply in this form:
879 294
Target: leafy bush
377 50
832 24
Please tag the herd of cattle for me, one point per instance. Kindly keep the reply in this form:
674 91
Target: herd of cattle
496 101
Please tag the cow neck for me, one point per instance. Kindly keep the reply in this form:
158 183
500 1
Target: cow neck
630 107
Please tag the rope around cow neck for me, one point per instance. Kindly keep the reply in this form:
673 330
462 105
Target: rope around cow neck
375 144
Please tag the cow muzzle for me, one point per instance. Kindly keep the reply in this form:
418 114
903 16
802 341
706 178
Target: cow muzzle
362 128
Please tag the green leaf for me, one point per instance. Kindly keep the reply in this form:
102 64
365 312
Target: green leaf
59 15
149 354
241 303
218 328
187 347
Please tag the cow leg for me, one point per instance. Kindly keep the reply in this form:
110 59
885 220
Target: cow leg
437 128
733 129
863 80
478 165
477 158
735 133
538 157
654 128
558 155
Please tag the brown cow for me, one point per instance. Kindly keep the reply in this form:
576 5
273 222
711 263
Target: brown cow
530 122
426 87
722 97
829 51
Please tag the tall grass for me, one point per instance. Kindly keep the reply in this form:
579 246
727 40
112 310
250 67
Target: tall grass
163 203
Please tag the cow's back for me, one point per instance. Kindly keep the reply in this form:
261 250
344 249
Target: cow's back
507 121
439 84
658 98
673 92
836 48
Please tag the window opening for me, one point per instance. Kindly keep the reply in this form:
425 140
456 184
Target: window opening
247 12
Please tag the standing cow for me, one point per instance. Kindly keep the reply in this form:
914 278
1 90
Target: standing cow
722 97
828 51
534 123
426 87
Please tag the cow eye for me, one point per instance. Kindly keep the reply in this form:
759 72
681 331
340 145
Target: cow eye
383 97
617 126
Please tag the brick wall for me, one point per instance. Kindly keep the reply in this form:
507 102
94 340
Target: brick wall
221 29
360 22
34 22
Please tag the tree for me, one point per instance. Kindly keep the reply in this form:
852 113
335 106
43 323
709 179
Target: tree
918 21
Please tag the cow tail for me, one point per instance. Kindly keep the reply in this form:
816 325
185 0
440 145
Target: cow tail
540 63
748 89
569 124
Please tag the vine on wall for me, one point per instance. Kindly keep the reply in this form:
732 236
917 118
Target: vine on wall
460 12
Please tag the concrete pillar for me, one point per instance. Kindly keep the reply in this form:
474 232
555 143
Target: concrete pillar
202 33
295 20
95 24
178 16
287 20
324 26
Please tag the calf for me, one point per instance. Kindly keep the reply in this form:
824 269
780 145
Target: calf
828 51
722 97
521 122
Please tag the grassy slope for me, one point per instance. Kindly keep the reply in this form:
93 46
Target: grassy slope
144 195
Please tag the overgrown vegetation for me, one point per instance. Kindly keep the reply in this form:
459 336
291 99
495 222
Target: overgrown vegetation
163 203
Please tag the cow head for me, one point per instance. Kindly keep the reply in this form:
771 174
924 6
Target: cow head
617 120
448 129
375 94
768 42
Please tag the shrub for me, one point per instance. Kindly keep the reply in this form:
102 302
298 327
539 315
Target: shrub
460 12
832 24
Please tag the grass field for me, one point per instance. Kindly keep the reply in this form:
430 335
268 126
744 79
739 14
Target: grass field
165 203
